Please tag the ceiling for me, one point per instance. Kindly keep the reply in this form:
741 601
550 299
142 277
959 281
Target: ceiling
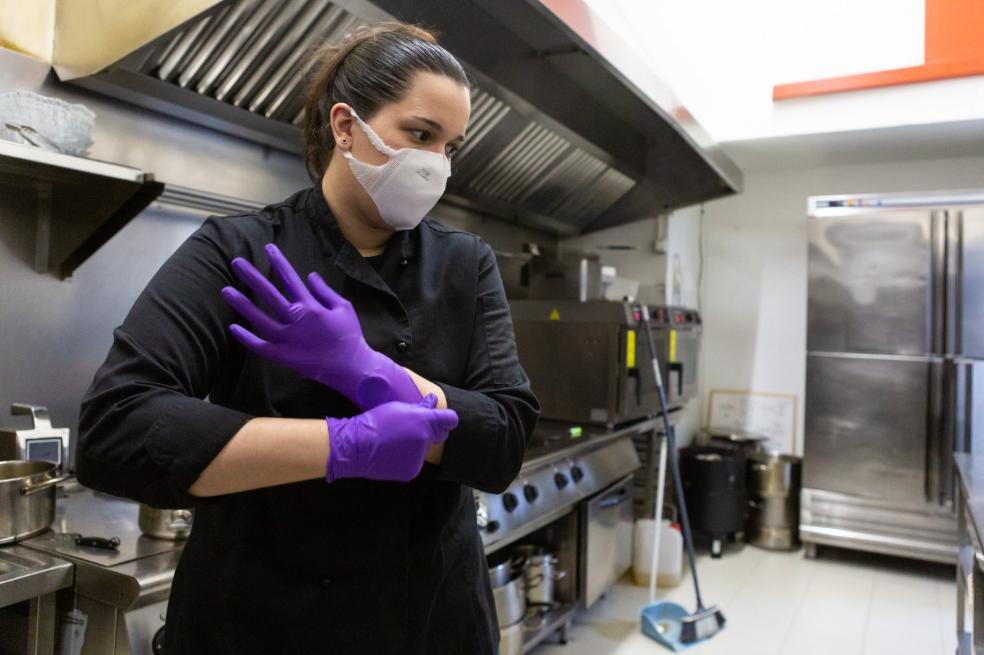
928 141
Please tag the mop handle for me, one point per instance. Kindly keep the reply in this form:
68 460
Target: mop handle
671 446
657 528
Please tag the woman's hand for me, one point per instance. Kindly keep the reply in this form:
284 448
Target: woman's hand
316 333
388 442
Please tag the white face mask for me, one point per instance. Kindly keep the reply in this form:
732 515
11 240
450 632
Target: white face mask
407 186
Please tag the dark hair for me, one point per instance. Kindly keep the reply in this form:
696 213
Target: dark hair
369 68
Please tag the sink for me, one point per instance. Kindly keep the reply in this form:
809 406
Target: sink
26 574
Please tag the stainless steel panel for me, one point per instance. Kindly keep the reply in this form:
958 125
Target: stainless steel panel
607 540
866 426
971 280
869 283
920 531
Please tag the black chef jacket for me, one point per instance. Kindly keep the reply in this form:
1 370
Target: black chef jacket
355 566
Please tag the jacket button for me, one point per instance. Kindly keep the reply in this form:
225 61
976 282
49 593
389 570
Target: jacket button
325 583
402 346
404 262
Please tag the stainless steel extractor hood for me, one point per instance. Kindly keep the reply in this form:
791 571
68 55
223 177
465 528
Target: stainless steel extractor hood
559 139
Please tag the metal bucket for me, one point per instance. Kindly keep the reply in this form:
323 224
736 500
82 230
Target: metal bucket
27 498
507 590
174 524
774 482
539 573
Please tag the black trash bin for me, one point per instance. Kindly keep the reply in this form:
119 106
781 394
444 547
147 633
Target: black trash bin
714 488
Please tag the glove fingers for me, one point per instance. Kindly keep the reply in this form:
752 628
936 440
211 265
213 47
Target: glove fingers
324 293
429 401
295 285
262 287
251 341
264 325
442 422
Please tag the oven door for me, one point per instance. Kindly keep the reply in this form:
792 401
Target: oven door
606 543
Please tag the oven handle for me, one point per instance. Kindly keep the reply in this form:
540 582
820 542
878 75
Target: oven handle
615 498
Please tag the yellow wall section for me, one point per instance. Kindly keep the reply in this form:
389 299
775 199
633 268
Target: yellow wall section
91 34
81 37
26 26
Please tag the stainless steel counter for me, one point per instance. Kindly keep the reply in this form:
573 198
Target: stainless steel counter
26 574
122 594
28 584
140 569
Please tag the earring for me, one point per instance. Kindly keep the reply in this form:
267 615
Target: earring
343 141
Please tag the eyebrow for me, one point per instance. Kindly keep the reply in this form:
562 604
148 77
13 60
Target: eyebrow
437 126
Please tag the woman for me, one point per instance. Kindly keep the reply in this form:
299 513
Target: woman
351 411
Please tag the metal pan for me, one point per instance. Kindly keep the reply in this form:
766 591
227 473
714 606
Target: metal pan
27 498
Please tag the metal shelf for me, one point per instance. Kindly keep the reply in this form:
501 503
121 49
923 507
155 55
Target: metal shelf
81 203
557 618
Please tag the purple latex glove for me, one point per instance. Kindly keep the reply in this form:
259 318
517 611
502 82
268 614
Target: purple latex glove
317 333
387 442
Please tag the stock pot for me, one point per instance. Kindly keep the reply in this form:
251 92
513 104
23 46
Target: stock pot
27 498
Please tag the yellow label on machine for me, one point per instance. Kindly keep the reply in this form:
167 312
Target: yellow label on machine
554 315
673 334
630 348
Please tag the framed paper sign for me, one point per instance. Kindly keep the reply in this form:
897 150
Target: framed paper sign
772 415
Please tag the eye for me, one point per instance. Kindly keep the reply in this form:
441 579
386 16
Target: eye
420 135
451 151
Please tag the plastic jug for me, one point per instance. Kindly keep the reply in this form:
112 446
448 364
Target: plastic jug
670 568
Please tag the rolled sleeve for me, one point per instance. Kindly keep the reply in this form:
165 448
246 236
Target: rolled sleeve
496 408
146 430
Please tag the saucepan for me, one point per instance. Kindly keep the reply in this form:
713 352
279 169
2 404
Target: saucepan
507 589
27 498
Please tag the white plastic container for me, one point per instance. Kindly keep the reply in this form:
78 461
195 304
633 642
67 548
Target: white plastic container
669 571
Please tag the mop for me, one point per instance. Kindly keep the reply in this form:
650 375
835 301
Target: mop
667 622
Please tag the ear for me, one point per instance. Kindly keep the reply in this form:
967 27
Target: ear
340 118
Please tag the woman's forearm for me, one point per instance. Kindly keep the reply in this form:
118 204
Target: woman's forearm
436 452
264 453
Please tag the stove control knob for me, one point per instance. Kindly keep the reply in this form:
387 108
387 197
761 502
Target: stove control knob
560 479
509 501
577 473
530 492
492 526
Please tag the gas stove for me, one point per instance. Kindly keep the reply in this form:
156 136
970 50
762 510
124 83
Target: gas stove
565 463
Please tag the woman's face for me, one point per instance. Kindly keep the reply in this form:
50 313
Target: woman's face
432 115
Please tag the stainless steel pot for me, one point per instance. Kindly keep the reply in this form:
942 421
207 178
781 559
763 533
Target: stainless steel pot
511 639
27 498
174 524
507 589
539 573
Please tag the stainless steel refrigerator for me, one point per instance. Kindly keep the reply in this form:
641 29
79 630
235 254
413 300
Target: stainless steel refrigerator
894 369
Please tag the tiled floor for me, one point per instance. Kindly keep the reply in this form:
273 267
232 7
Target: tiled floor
843 603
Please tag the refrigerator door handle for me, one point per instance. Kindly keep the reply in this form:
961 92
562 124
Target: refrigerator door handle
972 414
964 419
938 225
954 282
938 444
951 427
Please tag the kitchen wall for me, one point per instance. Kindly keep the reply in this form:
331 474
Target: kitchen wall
54 334
754 282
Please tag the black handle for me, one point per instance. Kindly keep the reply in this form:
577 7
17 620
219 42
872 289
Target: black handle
671 452
98 542
677 367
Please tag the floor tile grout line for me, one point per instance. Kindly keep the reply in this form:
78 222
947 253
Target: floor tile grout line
867 612
799 608
750 574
